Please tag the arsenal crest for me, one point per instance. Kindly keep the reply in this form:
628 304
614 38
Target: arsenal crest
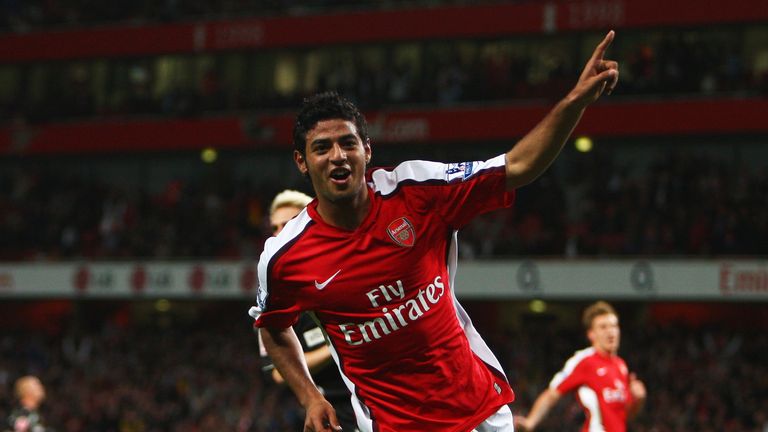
401 232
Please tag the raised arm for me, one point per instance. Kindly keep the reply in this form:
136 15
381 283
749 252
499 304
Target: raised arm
531 156
546 400
284 348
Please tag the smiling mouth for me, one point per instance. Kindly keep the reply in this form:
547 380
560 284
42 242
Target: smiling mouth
340 174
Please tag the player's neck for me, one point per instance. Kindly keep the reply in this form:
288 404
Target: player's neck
603 352
347 214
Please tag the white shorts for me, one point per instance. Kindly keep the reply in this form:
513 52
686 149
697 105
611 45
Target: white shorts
501 421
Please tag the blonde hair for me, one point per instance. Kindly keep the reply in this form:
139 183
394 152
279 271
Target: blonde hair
289 198
595 310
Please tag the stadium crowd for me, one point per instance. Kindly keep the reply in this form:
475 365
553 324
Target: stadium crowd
685 203
682 204
204 376
45 215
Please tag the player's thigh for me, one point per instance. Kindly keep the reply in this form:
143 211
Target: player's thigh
500 421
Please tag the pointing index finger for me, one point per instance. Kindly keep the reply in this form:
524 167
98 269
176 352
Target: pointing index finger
603 46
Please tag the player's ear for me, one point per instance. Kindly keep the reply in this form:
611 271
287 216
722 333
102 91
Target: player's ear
301 162
367 149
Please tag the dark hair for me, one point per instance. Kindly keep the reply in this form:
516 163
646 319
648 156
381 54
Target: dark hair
325 106
595 310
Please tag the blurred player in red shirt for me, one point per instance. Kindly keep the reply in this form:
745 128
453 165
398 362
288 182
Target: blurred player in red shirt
373 258
609 394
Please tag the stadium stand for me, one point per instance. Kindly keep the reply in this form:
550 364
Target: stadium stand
713 208
107 107
127 367
665 63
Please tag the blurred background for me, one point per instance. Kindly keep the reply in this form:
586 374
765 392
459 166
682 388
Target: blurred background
141 143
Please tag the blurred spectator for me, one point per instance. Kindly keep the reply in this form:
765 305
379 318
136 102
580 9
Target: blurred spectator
139 98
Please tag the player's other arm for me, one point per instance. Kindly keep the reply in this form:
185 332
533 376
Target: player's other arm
316 360
637 390
531 156
546 400
284 348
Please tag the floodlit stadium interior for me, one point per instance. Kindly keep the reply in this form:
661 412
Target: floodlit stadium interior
141 144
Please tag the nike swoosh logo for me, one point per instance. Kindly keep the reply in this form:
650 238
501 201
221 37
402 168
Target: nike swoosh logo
321 286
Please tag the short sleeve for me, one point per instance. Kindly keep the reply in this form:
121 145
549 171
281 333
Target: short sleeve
474 188
569 379
272 309
457 191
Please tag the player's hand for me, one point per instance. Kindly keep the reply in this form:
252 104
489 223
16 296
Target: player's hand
636 388
321 417
599 76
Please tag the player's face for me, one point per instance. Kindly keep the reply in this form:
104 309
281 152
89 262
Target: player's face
34 390
281 216
335 158
605 333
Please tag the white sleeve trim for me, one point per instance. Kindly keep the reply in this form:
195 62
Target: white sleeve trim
570 365
273 245
418 171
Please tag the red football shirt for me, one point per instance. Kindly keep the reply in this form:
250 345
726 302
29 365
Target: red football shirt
384 294
602 387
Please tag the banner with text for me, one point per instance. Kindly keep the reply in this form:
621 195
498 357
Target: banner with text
716 280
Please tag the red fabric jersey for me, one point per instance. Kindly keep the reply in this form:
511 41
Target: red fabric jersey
602 387
384 295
